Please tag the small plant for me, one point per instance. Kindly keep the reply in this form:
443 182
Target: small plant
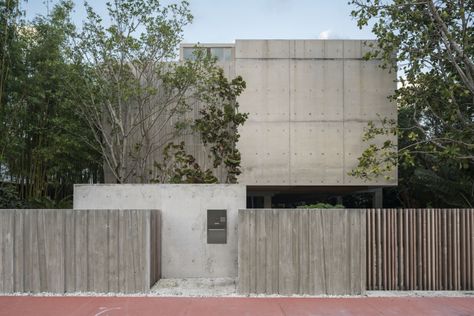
45 202
321 205
9 198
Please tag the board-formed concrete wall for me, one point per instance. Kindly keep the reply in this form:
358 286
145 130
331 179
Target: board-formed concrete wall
308 103
302 251
63 251
185 252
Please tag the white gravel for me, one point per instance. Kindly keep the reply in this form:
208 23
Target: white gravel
420 293
227 287
199 287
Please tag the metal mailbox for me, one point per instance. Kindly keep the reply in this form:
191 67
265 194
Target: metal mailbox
216 226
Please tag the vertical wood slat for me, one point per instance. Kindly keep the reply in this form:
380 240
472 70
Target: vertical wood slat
379 249
369 249
413 254
420 249
450 248
445 251
384 233
394 251
471 230
362 255
471 248
62 251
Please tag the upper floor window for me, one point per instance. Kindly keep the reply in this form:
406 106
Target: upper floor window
221 53
188 53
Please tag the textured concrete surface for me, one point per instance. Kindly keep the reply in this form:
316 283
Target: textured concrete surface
95 306
302 251
64 250
185 252
308 103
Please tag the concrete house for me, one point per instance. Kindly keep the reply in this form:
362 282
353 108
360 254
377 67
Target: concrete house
308 103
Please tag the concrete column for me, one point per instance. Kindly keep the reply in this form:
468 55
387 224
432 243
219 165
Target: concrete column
378 198
267 201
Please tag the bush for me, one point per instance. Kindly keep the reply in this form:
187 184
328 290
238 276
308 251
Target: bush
9 198
322 205
46 202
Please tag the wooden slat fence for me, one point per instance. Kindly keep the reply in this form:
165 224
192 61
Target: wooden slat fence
302 251
79 250
420 249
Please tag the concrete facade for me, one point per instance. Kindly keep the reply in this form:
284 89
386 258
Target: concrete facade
185 252
308 103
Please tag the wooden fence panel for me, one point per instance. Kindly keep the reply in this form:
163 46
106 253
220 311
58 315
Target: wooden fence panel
79 250
302 251
420 249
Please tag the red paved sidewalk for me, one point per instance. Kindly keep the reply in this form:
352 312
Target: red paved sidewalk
101 306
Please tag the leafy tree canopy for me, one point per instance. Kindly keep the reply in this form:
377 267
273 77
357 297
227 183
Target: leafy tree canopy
42 150
432 44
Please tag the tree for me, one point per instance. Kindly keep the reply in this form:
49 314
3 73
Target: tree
42 147
10 21
220 119
9 15
137 97
432 43
217 127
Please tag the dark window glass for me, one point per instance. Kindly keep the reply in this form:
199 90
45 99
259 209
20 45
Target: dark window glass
188 53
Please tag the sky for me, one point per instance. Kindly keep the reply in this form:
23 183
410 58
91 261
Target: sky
223 21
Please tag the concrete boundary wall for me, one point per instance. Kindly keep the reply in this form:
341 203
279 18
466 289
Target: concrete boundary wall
183 208
63 251
302 251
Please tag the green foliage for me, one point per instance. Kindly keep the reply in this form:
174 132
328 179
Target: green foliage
322 205
46 202
179 167
377 160
120 65
9 198
9 19
220 120
42 146
432 44
72 102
